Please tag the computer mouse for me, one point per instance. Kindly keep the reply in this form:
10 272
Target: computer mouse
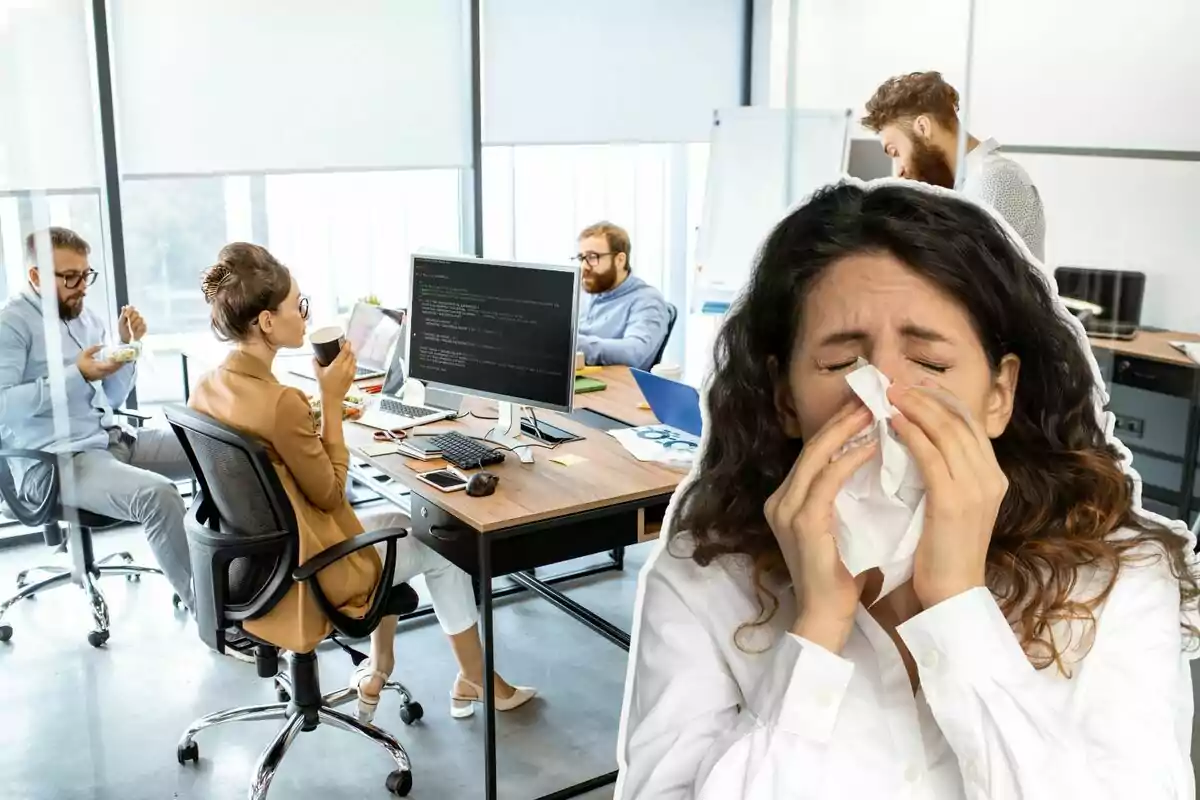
482 484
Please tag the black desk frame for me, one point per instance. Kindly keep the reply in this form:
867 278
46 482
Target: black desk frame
515 552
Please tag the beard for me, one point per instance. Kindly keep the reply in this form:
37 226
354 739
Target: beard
930 165
599 282
70 309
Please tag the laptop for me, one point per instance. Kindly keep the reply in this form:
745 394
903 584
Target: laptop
1107 302
388 411
674 403
372 332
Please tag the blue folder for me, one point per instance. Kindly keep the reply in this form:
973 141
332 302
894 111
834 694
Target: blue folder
674 403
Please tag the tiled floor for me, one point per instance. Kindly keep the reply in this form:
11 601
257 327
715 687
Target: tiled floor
84 723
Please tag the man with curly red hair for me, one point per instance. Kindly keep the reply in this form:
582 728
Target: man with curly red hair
916 117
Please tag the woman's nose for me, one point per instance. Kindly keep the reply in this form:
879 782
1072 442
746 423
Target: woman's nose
895 367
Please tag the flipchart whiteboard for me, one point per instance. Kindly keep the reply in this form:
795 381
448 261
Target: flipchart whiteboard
754 178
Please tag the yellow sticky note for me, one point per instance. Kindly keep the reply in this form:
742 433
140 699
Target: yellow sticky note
568 460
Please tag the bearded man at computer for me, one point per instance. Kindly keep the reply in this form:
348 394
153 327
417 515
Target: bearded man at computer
622 319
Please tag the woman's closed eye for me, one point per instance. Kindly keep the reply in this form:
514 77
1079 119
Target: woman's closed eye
925 363
929 365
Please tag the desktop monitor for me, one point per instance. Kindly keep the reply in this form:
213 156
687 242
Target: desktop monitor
495 329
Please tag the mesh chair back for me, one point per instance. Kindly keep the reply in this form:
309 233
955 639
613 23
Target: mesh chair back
246 506
672 315
8 487
231 481
44 511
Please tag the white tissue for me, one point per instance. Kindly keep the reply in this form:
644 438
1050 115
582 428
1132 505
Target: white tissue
880 510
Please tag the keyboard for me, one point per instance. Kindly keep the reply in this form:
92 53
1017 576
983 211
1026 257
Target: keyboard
464 452
390 405
365 372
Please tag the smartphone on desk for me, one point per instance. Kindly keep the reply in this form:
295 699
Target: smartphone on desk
446 480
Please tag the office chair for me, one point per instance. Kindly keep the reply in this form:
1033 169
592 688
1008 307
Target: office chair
52 517
672 315
244 543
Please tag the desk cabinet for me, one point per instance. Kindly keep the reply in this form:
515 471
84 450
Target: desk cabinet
1155 405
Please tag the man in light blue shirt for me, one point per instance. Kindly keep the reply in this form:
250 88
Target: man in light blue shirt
622 319
57 395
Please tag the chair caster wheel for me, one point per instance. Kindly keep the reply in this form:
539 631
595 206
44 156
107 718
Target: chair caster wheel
411 712
399 782
133 578
97 638
176 600
5 633
282 695
190 752
21 576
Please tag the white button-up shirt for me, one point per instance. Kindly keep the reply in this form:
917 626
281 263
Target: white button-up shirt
1004 185
780 717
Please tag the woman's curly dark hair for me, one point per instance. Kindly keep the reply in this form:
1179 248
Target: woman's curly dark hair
1067 491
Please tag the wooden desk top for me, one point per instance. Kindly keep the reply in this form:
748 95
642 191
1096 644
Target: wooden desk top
526 492
544 490
1152 345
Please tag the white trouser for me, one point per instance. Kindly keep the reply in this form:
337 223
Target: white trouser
449 587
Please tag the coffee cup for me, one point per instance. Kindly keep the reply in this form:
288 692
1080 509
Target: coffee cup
670 371
326 344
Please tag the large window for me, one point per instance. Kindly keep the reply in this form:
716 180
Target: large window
348 236
538 197
335 135
345 236
21 213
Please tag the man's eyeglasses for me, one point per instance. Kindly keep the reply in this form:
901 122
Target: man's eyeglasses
592 259
71 280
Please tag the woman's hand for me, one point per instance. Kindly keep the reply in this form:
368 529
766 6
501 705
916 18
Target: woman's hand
800 513
964 489
336 379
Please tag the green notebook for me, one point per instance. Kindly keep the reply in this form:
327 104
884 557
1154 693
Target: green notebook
584 384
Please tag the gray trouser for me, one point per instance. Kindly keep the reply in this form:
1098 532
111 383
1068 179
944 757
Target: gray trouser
132 480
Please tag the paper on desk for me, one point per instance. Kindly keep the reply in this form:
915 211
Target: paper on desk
881 509
380 449
1189 349
660 443
568 459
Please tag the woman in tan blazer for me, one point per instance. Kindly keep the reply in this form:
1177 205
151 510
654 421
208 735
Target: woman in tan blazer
257 305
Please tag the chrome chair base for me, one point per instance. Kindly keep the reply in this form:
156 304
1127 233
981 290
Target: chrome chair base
84 576
297 720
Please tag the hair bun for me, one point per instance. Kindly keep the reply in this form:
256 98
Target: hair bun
216 278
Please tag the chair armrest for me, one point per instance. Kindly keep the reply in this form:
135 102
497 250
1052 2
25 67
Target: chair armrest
340 550
137 417
31 455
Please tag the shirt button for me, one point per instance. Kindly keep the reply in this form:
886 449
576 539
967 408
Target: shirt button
824 698
970 772
930 660
912 774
